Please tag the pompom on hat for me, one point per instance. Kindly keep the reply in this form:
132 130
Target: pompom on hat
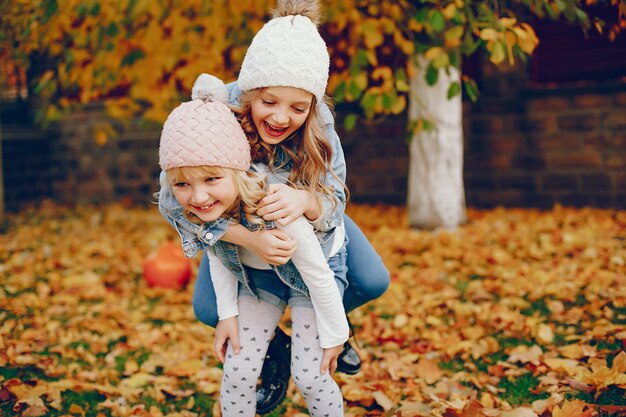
288 51
204 132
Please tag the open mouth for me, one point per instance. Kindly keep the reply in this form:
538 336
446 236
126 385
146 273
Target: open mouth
204 209
274 131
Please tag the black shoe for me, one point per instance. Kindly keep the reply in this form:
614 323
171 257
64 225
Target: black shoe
275 374
348 361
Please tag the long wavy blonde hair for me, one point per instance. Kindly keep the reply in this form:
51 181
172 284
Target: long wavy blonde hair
307 148
251 188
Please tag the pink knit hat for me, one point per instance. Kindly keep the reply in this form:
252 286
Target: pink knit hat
204 132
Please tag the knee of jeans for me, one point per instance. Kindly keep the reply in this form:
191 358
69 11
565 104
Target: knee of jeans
204 313
377 285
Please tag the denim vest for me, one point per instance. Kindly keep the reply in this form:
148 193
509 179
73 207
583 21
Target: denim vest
332 215
195 237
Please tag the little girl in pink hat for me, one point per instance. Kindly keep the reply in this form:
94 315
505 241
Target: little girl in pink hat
206 158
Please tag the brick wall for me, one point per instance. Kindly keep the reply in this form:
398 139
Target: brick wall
523 147
126 166
539 147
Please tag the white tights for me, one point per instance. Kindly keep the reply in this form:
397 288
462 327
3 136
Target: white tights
257 321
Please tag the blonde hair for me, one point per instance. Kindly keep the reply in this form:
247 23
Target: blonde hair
251 188
307 148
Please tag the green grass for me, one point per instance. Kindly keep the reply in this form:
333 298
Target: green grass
87 400
611 396
25 373
537 306
518 391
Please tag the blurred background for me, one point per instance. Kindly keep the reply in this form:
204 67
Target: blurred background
85 86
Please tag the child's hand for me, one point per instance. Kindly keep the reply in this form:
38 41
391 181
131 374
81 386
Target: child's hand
226 329
329 359
274 246
285 204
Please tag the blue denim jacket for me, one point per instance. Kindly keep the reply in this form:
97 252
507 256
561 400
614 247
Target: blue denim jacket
195 237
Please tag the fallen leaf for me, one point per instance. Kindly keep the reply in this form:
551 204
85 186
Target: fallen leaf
429 370
575 408
383 400
525 354
519 412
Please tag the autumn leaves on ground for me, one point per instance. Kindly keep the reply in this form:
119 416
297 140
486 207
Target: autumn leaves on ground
519 313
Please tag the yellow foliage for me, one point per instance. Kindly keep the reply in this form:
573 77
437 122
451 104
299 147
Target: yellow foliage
150 52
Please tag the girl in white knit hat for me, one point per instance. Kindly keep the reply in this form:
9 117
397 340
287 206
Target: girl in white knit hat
206 159
291 130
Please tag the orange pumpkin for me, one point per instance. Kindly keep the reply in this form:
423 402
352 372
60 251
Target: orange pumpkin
167 267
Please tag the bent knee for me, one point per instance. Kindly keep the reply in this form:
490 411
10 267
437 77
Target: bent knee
377 285
305 381
204 313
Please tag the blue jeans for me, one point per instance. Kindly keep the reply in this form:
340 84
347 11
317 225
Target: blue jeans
367 277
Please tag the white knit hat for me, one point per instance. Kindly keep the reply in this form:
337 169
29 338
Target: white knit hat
204 132
287 52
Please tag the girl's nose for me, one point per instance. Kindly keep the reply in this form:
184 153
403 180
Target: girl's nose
280 117
199 195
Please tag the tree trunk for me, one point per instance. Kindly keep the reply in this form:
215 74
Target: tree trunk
436 198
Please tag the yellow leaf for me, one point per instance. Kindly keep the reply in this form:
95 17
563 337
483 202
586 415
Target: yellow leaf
449 11
402 86
510 39
405 45
190 403
569 366
619 362
156 411
488 34
519 412
415 26
372 35
578 351
372 58
601 376
498 53
569 409
130 367
383 73
507 22
186 368
399 105
544 335
361 80
434 52
383 400
137 380
428 370
77 409
528 41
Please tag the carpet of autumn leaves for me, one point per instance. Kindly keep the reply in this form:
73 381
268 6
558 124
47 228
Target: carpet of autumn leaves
519 313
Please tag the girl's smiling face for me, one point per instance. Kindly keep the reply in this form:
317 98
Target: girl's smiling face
277 112
208 195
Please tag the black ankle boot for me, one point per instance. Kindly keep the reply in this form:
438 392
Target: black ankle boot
275 374
348 361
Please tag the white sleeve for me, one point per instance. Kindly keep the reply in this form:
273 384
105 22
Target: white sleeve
225 284
310 261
